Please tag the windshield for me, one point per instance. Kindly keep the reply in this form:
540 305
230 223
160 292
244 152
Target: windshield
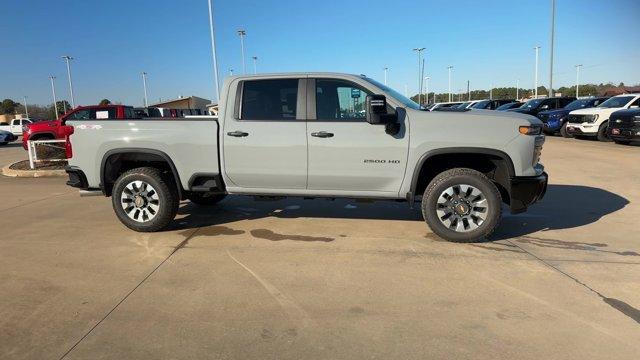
616 102
481 105
396 95
532 104
578 104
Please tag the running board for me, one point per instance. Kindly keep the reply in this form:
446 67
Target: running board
85 193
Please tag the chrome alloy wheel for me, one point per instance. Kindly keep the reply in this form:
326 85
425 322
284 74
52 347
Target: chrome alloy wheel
140 201
462 208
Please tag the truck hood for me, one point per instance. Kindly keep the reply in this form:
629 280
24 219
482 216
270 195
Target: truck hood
595 110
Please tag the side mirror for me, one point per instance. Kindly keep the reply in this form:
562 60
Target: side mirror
376 108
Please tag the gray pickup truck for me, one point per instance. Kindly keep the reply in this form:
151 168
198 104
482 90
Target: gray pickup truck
315 135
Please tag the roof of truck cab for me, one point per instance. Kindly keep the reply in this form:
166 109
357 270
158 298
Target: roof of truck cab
304 74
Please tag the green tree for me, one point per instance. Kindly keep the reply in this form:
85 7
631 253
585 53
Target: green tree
8 106
104 102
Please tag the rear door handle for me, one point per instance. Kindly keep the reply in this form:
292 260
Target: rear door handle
238 133
322 134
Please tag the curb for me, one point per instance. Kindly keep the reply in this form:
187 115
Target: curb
7 171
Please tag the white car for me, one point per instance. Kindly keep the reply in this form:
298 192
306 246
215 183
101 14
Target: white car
442 105
15 126
594 121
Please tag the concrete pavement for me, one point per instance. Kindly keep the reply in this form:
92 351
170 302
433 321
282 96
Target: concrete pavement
320 279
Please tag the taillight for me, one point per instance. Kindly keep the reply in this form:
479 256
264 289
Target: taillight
67 131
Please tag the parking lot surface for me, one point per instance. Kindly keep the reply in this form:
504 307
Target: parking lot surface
320 279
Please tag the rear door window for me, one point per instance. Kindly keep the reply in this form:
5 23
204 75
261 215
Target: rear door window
269 99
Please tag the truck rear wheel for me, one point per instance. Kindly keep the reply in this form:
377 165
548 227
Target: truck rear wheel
205 198
462 205
145 200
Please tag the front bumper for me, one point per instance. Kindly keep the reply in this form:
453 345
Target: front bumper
8 138
586 129
624 134
526 190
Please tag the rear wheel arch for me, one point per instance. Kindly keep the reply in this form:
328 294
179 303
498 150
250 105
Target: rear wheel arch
116 162
495 164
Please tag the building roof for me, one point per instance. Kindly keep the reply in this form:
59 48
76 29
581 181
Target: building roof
619 90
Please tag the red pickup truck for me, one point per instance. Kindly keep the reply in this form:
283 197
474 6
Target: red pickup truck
53 129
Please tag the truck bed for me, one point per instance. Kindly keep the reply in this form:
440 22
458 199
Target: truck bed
192 144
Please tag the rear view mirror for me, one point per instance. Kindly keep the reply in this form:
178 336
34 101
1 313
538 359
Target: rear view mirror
376 109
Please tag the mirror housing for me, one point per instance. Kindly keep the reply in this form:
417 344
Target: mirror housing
376 110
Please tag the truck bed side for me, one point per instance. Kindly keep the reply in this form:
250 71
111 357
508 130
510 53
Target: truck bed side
190 144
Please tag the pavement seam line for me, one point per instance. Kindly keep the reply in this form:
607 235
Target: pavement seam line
126 297
36 201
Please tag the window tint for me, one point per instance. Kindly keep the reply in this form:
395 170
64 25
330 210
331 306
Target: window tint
338 99
129 113
79 115
269 99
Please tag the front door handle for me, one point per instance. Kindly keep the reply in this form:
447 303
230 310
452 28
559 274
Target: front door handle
238 133
322 134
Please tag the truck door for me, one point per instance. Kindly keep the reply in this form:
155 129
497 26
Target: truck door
345 151
264 140
16 126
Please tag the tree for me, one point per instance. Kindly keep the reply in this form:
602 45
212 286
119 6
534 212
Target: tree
104 102
8 106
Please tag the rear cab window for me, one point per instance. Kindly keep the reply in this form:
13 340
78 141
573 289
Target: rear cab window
269 99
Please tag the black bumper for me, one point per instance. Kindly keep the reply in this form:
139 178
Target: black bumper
624 134
77 178
526 190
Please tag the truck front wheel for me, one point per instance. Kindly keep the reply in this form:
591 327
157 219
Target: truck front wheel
462 205
145 199
602 132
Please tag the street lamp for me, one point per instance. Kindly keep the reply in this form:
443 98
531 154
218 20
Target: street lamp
553 29
26 109
450 67
578 80
144 84
53 90
255 66
535 82
213 50
242 34
230 72
68 59
426 79
385 74
419 51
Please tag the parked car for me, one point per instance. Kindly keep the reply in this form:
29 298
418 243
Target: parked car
508 106
15 126
464 164
442 105
491 104
556 120
624 126
467 104
593 122
50 130
534 106
7 137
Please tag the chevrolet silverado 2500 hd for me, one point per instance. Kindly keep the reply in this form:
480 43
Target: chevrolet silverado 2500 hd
315 135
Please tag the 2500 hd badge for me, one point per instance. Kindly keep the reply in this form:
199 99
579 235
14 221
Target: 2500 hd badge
371 161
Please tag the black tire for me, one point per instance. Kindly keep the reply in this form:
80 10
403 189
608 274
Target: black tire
167 199
205 198
622 142
602 132
564 133
453 178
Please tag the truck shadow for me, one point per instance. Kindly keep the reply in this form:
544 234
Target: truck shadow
564 207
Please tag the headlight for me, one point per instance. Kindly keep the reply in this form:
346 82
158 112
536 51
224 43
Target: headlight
530 130
591 118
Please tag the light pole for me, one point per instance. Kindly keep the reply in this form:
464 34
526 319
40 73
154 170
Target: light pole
385 74
255 66
535 81
553 29
144 84
68 59
213 51
53 90
578 80
242 34
450 67
517 89
426 79
26 109
419 51
491 93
